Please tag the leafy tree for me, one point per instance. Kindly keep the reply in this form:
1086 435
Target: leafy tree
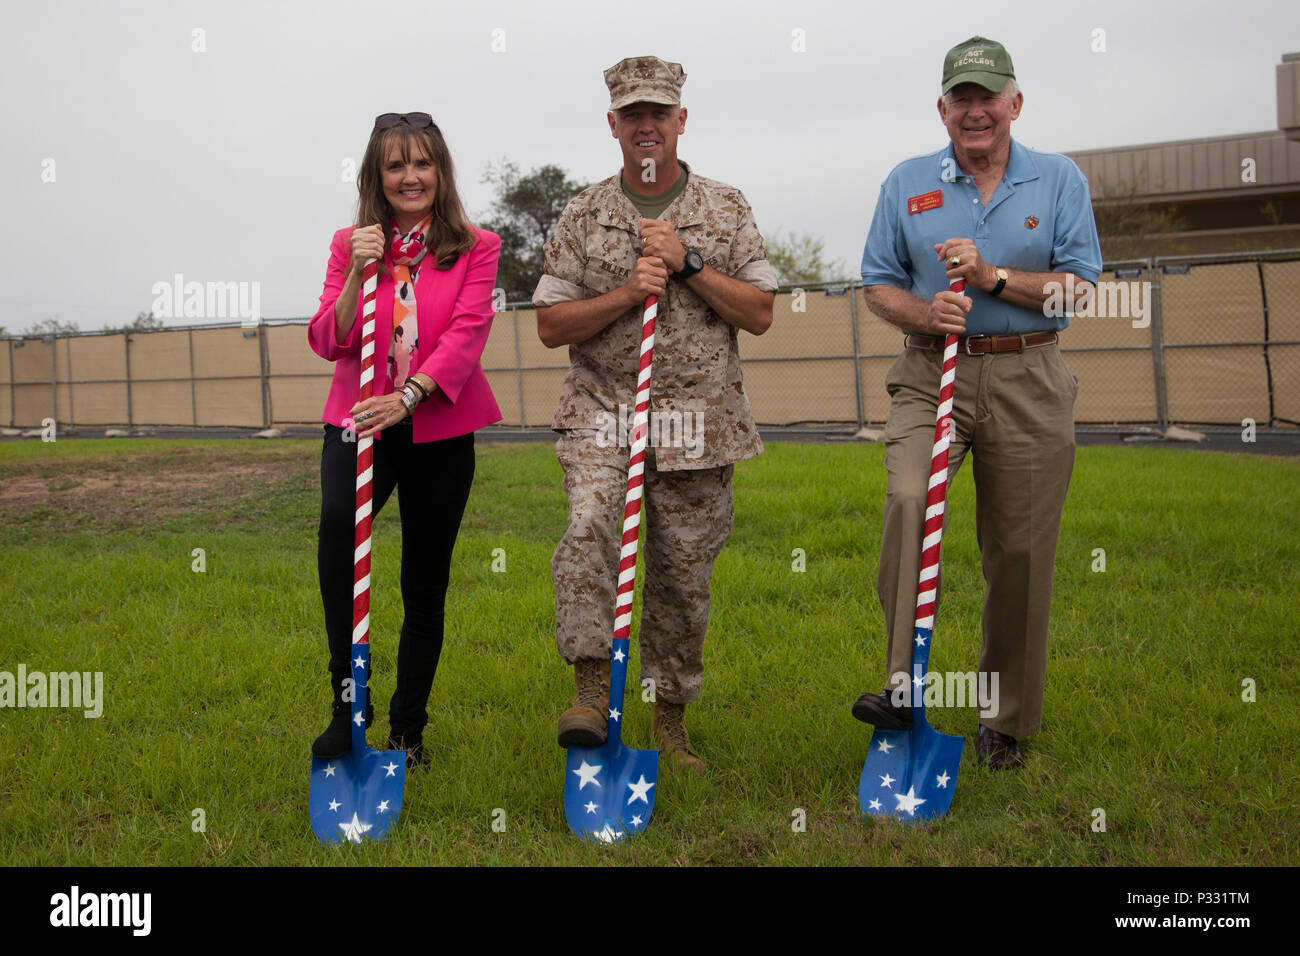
1130 225
144 321
801 258
524 215
50 326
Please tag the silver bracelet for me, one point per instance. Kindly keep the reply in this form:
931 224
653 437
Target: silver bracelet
409 398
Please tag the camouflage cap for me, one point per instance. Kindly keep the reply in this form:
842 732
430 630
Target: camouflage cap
978 60
644 79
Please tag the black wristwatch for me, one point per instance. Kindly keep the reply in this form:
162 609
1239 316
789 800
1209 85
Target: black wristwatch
694 263
1001 283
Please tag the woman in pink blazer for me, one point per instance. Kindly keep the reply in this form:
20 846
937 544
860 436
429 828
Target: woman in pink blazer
433 311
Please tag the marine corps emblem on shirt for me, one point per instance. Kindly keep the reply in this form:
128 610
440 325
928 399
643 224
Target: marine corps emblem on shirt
1031 222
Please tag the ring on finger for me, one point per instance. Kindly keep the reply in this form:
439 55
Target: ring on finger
955 260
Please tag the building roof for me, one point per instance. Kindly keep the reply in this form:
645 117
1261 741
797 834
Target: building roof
1211 167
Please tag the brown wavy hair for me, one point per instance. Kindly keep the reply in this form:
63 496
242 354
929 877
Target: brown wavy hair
450 233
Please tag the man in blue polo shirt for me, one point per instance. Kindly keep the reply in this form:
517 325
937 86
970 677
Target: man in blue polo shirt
1016 224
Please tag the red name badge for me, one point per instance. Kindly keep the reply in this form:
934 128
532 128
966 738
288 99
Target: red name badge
924 202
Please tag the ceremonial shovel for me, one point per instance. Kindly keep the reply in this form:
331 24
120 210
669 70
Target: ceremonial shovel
358 796
609 790
912 774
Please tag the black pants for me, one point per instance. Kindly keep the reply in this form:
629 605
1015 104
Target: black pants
433 481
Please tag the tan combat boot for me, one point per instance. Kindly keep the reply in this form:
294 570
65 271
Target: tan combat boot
584 724
668 728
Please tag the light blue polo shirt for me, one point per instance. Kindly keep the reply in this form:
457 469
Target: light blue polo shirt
1039 219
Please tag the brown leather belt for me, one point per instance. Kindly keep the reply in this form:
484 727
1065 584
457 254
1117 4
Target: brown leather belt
981 344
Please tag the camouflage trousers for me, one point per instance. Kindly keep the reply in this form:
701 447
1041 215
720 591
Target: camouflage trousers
687 517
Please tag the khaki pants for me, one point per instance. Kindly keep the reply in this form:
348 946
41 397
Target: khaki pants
1014 411
687 517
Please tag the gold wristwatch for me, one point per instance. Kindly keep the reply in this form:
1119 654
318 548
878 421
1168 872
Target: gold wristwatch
1001 273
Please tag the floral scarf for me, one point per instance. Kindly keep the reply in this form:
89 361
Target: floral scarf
403 351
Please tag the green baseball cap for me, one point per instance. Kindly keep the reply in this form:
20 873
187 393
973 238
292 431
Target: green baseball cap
978 60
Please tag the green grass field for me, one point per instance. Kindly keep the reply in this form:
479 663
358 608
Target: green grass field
215 682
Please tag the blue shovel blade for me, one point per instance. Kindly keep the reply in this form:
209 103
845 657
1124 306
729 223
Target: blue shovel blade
357 796
609 791
911 774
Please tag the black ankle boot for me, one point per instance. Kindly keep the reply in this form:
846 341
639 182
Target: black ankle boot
337 739
412 743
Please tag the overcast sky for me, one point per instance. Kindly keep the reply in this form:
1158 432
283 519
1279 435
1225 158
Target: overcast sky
226 164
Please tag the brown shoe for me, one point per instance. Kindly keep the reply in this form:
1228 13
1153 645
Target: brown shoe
585 723
999 751
879 709
668 728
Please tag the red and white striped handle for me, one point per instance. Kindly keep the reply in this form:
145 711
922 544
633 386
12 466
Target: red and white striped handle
365 463
937 493
635 474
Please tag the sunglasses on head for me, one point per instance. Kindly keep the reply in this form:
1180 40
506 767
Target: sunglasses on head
389 120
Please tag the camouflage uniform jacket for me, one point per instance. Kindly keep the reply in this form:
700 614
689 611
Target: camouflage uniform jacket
696 362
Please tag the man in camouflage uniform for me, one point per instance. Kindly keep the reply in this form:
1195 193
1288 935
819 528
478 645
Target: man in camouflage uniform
656 228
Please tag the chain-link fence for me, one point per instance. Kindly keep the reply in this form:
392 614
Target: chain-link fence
1206 340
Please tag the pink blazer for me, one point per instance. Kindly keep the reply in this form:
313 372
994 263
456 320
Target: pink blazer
454 310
